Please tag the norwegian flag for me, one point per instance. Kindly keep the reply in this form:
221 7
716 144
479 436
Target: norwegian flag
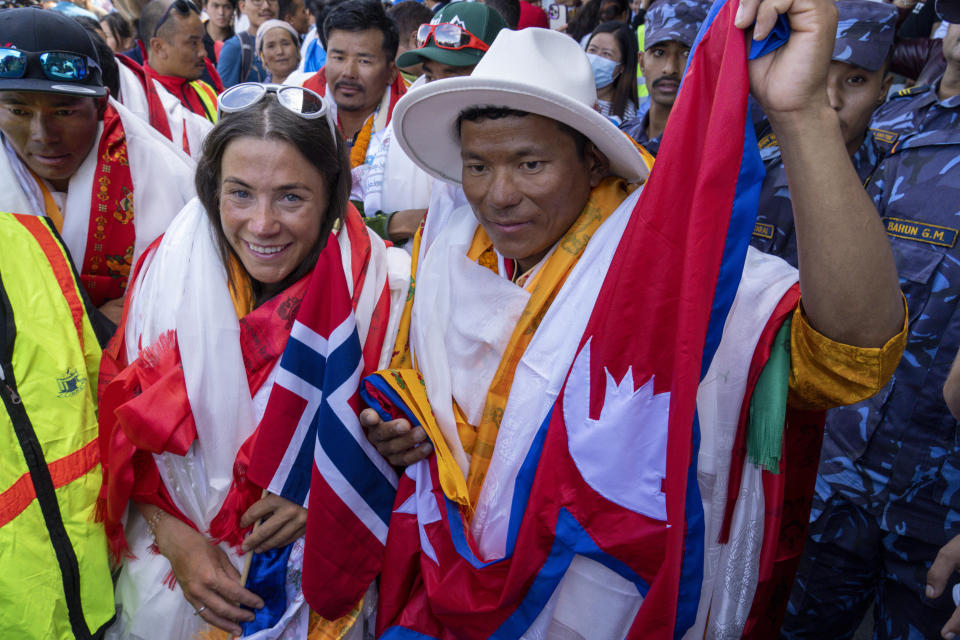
310 433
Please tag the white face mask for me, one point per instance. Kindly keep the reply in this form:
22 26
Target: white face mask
603 69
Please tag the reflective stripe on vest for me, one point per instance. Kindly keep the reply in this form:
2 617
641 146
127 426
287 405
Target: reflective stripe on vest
209 98
56 579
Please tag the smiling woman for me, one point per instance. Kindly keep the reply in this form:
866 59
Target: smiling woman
213 307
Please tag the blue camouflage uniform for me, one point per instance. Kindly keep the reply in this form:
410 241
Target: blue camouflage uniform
665 20
865 31
888 490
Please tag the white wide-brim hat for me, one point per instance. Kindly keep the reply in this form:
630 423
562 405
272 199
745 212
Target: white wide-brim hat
534 70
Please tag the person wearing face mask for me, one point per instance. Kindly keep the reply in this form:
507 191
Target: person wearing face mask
858 82
612 48
671 27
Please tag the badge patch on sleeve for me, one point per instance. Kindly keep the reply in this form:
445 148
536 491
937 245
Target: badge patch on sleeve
763 230
919 231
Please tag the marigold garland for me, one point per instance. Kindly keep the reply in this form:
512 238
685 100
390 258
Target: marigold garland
358 154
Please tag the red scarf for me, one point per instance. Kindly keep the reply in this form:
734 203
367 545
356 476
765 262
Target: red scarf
318 83
183 89
111 235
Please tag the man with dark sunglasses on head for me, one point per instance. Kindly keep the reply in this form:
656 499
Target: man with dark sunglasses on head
174 66
106 179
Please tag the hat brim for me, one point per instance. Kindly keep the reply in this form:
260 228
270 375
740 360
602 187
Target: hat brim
948 11
425 121
452 57
44 85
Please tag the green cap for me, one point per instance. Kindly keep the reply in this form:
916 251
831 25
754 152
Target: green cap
482 21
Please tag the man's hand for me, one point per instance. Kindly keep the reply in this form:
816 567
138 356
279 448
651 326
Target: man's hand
395 440
208 579
946 562
792 78
285 522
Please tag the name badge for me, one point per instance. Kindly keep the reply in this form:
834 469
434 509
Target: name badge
763 230
921 232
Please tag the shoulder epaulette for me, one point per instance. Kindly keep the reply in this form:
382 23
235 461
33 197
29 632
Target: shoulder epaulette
912 91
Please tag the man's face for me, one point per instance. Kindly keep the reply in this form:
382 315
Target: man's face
51 133
258 11
525 182
220 12
357 68
854 93
438 71
178 50
299 17
662 66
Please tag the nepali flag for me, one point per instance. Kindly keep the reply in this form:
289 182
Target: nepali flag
316 384
610 475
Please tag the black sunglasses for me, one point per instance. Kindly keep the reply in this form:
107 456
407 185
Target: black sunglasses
183 7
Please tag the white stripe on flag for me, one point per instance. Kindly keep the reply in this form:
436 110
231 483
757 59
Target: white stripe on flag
349 495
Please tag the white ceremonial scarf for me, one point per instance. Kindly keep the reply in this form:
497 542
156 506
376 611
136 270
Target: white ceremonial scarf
730 572
162 178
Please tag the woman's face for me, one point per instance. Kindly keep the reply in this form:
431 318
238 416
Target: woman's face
606 46
279 53
273 202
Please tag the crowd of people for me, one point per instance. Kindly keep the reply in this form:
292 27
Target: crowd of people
502 318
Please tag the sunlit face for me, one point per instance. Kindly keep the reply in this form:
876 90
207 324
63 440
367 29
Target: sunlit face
258 11
273 202
526 182
358 70
280 54
662 66
178 49
434 70
220 13
854 93
51 133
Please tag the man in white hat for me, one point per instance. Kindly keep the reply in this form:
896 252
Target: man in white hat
548 181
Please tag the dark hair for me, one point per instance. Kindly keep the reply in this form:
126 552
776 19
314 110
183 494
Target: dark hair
473 114
409 15
625 86
509 10
284 9
150 18
109 74
119 27
268 120
360 15
588 17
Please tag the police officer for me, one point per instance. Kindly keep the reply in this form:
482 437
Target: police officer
671 27
888 492
857 84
